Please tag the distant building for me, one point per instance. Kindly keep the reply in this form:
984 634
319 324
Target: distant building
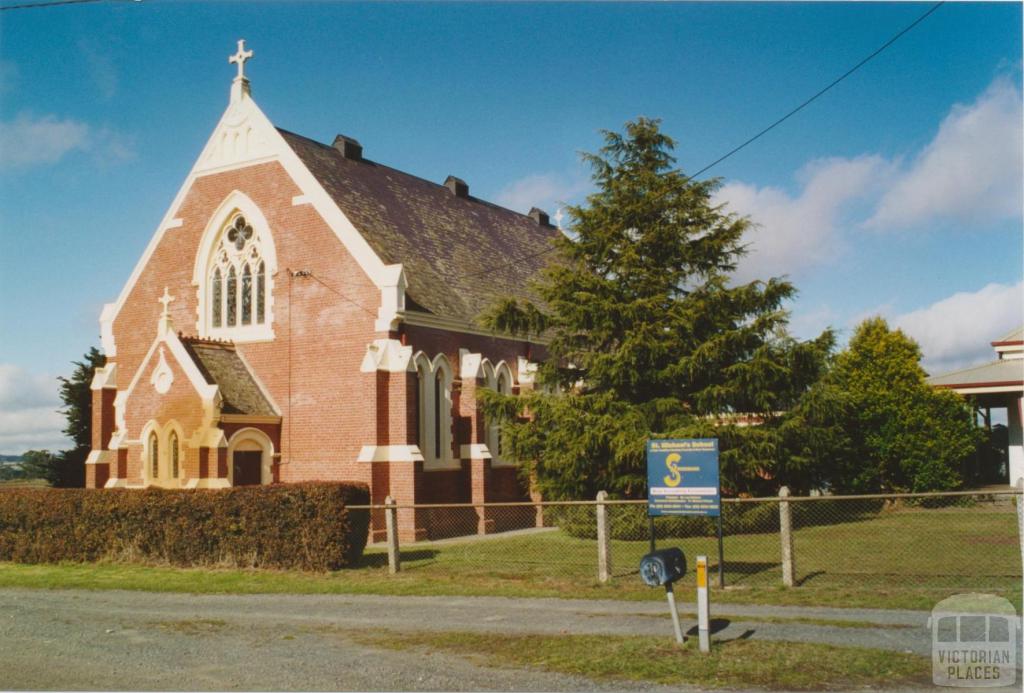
995 385
304 313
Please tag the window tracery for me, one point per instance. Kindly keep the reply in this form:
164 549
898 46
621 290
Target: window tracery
238 278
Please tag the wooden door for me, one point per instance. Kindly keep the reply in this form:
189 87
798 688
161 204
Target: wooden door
246 466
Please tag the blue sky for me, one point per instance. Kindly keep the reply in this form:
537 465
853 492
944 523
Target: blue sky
897 193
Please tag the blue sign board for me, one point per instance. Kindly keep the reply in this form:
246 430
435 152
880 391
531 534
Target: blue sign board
682 477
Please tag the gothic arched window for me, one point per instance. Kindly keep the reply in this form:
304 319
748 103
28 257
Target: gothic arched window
172 445
154 456
237 276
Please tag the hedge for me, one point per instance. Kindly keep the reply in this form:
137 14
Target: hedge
305 526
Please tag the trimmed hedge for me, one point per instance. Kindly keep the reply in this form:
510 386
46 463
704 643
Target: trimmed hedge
306 526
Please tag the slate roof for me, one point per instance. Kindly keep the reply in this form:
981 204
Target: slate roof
222 366
460 253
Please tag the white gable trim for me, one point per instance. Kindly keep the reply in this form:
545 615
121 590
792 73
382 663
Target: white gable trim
208 393
244 136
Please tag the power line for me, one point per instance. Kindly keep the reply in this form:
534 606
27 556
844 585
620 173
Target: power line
836 81
760 134
50 3
309 274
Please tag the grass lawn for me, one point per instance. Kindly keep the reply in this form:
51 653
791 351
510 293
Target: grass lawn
898 559
735 663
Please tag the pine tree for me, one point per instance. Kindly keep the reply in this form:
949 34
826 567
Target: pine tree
647 334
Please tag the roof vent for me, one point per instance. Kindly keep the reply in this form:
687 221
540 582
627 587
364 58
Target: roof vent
539 216
456 186
349 148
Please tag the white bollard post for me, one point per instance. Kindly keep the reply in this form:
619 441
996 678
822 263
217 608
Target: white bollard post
391 523
786 537
703 607
604 547
671 596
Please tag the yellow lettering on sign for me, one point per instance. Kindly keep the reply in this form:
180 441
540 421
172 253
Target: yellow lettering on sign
674 475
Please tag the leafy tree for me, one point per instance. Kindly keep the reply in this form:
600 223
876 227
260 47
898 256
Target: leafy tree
38 464
878 423
648 336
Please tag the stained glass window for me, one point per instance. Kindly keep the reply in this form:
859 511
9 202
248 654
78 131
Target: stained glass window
438 398
261 290
237 298
217 298
232 291
247 296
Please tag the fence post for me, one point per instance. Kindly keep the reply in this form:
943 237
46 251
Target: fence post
391 522
1020 517
786 536
604 547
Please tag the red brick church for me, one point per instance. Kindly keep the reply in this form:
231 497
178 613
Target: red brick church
305 313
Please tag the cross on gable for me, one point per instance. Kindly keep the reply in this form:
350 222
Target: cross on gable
166 300
240 57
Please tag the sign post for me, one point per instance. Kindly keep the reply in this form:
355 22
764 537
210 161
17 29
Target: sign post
682 479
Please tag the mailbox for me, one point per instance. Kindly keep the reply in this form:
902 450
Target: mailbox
662 567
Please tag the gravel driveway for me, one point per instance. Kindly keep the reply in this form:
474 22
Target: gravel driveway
171 641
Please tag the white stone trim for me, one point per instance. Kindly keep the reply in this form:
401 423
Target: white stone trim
235 202
390 453
470 365
387 355
475 451
244 137
104 377
102 457
266 446
526 371
208 393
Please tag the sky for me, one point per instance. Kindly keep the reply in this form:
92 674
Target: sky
897 193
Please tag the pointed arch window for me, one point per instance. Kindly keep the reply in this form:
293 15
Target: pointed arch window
238 288
172 445
154 456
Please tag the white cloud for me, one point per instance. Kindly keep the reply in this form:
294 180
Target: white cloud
795 232
957 330
30 141
26 141
547 191
29 416
100 67
971 171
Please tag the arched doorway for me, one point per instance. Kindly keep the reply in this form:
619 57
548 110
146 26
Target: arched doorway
250 453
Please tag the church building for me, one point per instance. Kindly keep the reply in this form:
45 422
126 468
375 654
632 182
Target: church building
303 313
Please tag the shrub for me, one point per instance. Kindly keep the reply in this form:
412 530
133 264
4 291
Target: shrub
306 526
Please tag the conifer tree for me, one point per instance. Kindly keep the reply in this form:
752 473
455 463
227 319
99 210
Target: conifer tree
647 334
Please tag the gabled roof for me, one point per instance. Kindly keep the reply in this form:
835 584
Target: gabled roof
222 366
460 254
1002 373
1014 337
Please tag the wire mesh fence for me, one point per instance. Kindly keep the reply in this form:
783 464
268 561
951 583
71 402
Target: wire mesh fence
925 544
